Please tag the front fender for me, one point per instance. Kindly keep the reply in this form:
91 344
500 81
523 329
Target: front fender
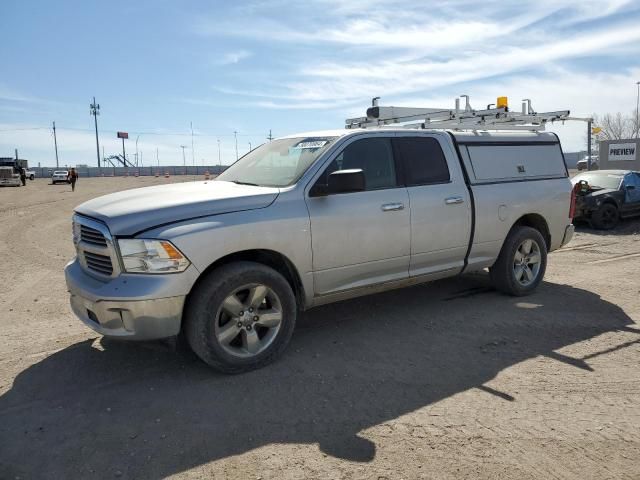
283 227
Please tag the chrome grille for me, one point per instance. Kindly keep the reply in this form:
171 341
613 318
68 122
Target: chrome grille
94 245
99 263
92 236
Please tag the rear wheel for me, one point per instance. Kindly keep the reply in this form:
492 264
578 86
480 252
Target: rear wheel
606 217
240 317
522 262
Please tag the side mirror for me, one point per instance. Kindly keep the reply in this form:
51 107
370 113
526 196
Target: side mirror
340 181
346 181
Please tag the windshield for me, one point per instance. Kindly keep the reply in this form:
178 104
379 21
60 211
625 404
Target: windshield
597 179
277 164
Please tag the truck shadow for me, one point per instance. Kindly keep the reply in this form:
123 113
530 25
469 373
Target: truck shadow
145 412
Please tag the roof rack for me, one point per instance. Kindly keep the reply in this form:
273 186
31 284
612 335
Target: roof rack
497 118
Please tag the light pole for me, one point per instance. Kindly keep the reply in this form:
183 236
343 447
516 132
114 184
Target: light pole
193 150
219 156
94 109
235 134
137 138
184 161
250 146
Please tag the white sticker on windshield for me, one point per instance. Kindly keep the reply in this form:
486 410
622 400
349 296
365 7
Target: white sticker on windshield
313 144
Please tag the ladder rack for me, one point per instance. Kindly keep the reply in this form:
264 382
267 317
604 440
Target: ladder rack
467 118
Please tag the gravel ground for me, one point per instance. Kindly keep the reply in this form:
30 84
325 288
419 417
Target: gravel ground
445 380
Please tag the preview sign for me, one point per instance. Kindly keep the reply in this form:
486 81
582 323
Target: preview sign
622 151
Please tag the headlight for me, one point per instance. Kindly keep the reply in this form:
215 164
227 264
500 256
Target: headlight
151 256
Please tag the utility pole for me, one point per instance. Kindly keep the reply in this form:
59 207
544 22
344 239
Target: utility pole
184 161
94 109
589 124
219 156
250 146
193 152
55 143
638 111
137 149
270 137
235 134
157 158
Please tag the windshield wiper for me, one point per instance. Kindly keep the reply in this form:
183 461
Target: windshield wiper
237 182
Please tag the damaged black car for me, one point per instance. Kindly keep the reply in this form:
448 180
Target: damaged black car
603 197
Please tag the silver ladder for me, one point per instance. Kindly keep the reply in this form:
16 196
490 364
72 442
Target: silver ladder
467 118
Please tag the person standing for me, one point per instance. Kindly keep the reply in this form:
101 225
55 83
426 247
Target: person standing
73 178
23 175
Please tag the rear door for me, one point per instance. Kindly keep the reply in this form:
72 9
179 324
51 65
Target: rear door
361 238
440 206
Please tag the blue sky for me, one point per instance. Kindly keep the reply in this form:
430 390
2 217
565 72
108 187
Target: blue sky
156 66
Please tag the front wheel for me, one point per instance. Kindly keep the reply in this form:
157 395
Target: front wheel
240 317
606 217
522 262
32 177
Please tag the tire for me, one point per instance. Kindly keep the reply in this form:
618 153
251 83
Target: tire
509 273
220 325
606 217
32 177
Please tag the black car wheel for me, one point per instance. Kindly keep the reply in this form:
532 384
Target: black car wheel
606 217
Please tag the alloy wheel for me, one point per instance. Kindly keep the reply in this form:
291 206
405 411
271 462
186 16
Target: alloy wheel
248 320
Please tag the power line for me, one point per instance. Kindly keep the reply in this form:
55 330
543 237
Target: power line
134 132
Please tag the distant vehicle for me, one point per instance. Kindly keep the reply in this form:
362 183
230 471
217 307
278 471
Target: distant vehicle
584 163
9 176
60 176
12 162
605 196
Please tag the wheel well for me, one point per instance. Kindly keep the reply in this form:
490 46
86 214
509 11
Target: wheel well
538 222
270 258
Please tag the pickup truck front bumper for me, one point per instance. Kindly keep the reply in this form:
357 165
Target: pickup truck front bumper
129 307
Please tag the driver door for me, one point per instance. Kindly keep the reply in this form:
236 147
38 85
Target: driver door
361 238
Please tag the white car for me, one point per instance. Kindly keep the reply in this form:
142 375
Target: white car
584 163
60 176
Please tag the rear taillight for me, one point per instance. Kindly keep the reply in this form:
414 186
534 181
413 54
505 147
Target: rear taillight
574 196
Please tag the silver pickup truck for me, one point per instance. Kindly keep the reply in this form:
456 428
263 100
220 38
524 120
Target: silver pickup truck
311 219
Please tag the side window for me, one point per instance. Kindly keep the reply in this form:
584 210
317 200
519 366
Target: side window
374 156
423 160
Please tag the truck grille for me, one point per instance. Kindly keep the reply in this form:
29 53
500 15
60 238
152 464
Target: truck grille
95 248
92 236
98 263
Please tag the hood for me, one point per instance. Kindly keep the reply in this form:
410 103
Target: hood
131 211
597 191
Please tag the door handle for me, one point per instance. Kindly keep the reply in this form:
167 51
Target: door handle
453 200
390 207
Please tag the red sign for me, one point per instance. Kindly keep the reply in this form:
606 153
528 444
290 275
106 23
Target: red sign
123 135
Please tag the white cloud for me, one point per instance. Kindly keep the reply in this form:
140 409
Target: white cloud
230 58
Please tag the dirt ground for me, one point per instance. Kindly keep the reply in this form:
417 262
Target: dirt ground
445 380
